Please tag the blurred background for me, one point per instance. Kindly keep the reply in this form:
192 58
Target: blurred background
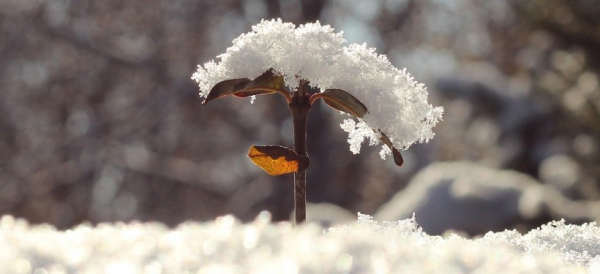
100 121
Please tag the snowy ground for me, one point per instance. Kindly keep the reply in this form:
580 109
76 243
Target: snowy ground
227 246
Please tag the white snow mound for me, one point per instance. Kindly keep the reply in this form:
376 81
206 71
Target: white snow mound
396 103
228 246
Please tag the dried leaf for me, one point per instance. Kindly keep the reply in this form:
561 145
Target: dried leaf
225 88
268 82
398 160
343 101
277 160
246 93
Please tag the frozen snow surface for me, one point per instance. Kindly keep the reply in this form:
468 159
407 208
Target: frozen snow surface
397 104
228 246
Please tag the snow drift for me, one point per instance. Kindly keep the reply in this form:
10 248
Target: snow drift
228 246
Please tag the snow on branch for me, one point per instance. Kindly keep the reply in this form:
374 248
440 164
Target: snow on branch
396 103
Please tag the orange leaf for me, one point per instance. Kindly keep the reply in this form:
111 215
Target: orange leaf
277 160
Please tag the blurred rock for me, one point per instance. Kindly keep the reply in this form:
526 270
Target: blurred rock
465 197
475 199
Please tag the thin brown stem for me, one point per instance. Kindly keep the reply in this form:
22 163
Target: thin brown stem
299 106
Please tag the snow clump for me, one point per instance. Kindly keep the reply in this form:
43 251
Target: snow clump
397 104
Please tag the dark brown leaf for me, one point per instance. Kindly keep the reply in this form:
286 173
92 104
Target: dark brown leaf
268 81
225 88
395 152
343 101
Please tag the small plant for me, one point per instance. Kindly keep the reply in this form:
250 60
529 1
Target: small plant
309 63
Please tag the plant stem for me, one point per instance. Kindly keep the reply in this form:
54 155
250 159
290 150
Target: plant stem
299 106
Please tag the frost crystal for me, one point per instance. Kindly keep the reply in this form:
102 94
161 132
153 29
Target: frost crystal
397 105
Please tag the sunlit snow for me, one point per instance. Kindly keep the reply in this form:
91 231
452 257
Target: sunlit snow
228 246
397 104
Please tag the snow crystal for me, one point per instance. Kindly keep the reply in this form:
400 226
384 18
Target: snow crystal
227 246
397 105
357 132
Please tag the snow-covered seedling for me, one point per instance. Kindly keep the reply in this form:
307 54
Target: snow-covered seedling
310 62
